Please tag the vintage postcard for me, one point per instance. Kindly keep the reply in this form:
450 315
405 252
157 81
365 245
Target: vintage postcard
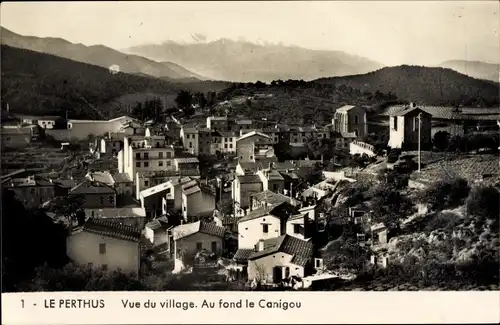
218 154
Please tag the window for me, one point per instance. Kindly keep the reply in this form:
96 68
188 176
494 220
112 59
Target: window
146 183
296 229
275 187
101 199
169 154
138 155
214 246
184 209
160 163
225 145
102 249
111 199
105 267
160 155
199 246
169 163
92 214
265 228
356 119
230 145
146 155
137 164
415 123
187 136
146 164
295 140
356 132
190 144
395 123
287 272
157 144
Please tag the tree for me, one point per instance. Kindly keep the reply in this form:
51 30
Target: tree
43 242
445 193
226 206
75 277
389 206
441 140
71 207
483 202
345 254
200 99
184 99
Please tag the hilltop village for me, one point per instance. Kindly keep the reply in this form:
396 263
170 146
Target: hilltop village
259 204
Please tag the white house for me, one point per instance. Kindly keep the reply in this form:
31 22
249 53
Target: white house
262 223
280 258
190 238
157 231
102 243
197 200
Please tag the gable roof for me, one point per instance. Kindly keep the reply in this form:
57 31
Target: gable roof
273 198
301 250
345 108
188 229
409 110
88 187
112 229
156 189
252 133
263 211
248 179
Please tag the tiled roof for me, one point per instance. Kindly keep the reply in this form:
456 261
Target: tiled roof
249 179
229 134
190 130
101 177
122 178
409 110
242 254
260 212
157 224
301 250
274 175
296 217
345 108
191 190
188 229
88 187
187 160
250 134
249 166
112 229
181 180
273 198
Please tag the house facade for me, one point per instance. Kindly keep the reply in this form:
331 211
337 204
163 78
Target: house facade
280 258
102 243
190 238
350 119
404 129
197 200
243 187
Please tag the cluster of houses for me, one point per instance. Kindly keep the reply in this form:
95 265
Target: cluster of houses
157 199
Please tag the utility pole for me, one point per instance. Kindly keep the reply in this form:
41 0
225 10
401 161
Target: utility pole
419 145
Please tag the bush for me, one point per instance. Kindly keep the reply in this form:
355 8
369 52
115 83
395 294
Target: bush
441 140
483 202
443 220
445 193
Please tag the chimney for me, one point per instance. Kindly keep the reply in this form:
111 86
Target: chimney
260 245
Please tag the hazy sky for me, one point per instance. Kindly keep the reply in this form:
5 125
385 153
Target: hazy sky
392 32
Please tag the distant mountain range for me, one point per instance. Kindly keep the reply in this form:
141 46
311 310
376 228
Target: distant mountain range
243 61
475 69
38 83
98 55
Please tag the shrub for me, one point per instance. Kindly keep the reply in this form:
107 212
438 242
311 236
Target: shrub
445 193
483 202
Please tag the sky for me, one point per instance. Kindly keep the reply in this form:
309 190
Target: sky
390 32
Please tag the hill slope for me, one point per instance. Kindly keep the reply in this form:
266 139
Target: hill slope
475 69
316 101
38 83
97 55
242 61
431 86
